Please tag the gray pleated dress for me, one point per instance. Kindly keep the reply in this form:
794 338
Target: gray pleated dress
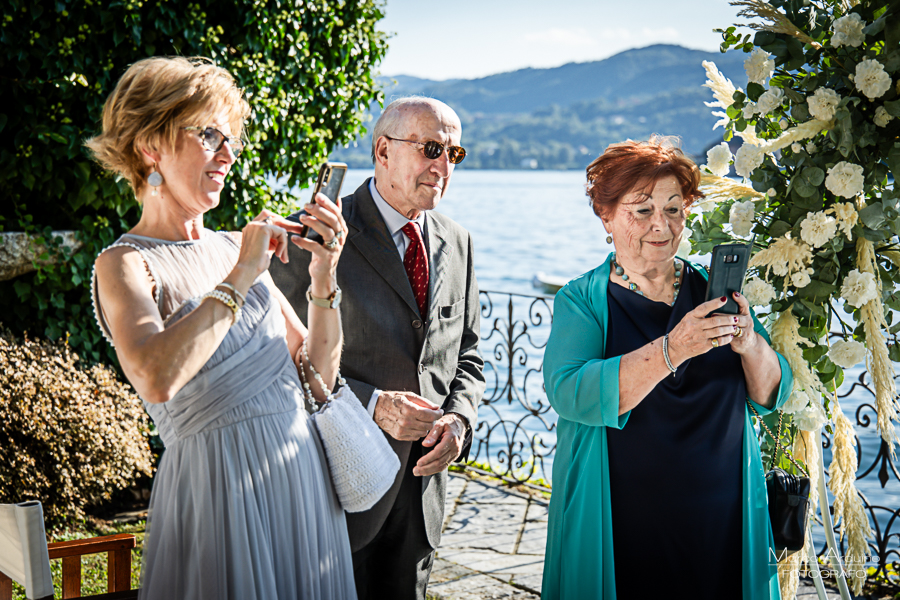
242 504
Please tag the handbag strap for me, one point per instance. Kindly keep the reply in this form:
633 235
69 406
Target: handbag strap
777 439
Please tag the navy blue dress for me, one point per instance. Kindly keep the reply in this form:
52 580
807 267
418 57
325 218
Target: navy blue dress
675 468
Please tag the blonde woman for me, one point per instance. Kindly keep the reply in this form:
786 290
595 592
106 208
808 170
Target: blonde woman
242 505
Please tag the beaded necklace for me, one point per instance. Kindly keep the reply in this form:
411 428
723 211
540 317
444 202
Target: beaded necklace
634 287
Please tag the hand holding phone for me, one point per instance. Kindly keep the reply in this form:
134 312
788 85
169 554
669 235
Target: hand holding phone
726 274
329 181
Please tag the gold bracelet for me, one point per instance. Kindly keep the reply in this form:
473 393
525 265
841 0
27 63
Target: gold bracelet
236 295
227 301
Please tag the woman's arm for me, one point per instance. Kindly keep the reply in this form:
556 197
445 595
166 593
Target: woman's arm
159 360
762 368
325 335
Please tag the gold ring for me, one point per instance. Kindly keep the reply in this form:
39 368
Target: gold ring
267 220
738 331
715 343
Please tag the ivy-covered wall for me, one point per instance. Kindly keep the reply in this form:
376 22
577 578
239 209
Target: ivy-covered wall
308 71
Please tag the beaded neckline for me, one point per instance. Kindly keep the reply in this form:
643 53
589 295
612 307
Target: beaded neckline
618 270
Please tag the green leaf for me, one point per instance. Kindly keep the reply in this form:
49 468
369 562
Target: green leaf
778 229
814 176
754 91
817 291
872 215
2 121
893 108
893 160
763 38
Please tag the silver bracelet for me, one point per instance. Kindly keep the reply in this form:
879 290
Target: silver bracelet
666 354
236 295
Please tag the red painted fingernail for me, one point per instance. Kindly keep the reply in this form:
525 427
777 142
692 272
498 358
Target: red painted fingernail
738 294
735 319
724 298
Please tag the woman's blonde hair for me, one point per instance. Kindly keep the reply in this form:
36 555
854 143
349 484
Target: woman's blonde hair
153 100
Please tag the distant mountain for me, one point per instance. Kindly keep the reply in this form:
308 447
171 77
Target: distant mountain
563 117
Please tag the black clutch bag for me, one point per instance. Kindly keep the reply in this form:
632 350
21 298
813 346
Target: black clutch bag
788 496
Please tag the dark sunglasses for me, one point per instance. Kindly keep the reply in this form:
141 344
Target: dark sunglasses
433 149
213 140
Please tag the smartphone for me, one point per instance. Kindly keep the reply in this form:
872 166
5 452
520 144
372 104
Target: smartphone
726 274
331 177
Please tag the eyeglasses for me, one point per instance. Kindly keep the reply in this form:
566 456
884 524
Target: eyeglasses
213 140
433 149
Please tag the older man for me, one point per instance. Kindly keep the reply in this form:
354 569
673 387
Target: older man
411 326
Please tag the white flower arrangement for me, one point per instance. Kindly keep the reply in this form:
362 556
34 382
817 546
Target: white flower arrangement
813 247
758 292
823 103
846 217
741 217
817 229
718 159
871 79
847 354
811 418
858 288
747 159
845 179
759 66
800 279
848 31
770 100
882 117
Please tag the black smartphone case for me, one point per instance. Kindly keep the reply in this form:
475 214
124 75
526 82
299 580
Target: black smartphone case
726 278
331 189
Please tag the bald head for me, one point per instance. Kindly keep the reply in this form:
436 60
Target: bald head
398 118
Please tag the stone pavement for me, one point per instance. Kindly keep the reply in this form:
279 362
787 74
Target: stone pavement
493 544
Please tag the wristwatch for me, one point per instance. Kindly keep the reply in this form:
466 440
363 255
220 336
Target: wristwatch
332 301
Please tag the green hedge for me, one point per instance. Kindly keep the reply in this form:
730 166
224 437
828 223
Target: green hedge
307 68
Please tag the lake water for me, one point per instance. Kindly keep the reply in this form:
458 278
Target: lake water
525 222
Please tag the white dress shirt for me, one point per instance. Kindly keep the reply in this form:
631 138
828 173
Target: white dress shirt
395 222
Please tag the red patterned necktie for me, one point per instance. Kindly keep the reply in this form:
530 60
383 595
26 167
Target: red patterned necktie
416 263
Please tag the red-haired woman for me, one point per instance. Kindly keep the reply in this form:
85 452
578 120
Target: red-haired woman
657 468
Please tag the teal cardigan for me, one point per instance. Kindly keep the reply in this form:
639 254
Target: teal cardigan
583 387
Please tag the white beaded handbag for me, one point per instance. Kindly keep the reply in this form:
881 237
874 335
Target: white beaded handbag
362 463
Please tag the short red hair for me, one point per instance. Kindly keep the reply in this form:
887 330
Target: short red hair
629 166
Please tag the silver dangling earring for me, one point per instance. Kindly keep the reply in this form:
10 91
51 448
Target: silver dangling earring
154 180
609 239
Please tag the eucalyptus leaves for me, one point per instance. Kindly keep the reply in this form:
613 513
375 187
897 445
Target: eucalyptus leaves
819 130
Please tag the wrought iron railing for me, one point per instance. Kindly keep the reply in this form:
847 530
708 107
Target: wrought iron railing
516 434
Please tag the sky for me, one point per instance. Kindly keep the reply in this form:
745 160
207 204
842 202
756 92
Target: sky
468 39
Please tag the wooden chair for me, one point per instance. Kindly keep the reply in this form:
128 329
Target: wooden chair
118 548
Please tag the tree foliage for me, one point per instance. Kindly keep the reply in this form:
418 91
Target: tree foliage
307 69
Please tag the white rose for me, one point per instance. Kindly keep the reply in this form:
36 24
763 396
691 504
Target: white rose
759 66
847 217
718 159
871 79
783 124
812 417
796 148
811 148
758 292
797 401
858 288
747 158
684 246
882 117
770 100
749 110
771 193
741 217
823 103
846 354
800 279
848 31
816 229
845 179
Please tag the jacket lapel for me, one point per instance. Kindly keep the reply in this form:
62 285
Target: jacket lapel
374 242
438 253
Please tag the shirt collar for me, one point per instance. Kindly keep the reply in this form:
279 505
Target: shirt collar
392 218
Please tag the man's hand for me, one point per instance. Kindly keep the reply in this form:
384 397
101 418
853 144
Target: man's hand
405 416
448 433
